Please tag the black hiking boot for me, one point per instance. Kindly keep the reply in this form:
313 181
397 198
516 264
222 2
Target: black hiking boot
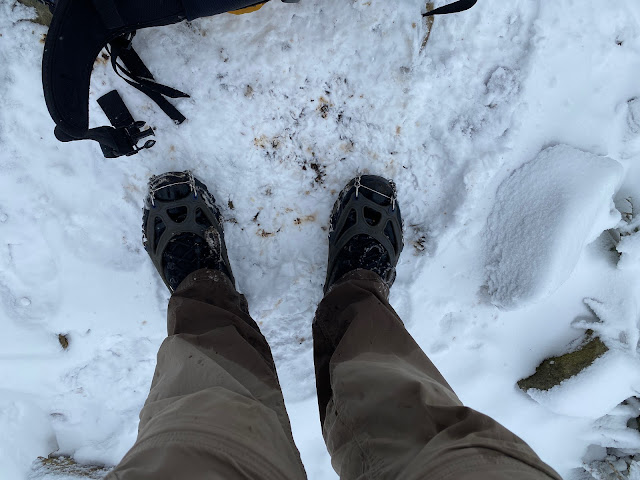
182 228
366 230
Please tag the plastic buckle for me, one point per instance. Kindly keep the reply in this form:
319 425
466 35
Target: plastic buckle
129 38
123 42
134 134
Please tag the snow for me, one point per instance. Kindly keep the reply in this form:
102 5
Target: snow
287 104
629 248
543 215
20 413
633 118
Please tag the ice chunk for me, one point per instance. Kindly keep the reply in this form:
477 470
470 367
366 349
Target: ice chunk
544 214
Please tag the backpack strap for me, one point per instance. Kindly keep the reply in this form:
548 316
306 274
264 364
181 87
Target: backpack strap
455 7
122 138
136 74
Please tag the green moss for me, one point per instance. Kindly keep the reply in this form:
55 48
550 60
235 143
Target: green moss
555 370
62 466
43 14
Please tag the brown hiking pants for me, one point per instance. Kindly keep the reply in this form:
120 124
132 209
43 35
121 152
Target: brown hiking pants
215 409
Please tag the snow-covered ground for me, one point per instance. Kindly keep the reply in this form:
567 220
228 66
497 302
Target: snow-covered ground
287 104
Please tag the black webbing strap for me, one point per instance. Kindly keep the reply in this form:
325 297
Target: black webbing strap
455 7
116 111
122 138
141 78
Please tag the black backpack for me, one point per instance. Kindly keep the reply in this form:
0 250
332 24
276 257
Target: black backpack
80 29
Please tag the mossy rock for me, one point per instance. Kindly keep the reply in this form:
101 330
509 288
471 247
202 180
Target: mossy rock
43 14
53 467
553 371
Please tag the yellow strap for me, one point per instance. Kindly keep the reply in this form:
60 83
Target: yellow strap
248 9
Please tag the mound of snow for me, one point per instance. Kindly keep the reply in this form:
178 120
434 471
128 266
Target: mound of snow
544 214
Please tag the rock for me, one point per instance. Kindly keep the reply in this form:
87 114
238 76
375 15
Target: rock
43 14
553 371
61 467
64 340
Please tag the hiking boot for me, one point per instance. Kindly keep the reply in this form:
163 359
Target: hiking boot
366 230
182 228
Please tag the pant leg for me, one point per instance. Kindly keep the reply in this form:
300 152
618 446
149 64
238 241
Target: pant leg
387 412
215 409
